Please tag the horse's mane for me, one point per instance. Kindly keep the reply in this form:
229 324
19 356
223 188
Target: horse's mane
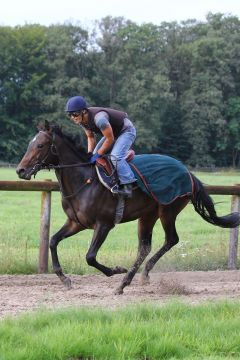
72 140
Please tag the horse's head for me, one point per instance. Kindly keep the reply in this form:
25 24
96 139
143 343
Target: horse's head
40 153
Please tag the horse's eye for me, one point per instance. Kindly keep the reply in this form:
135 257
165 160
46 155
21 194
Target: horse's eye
40 146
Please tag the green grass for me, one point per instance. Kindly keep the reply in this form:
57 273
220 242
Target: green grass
201 247
172 331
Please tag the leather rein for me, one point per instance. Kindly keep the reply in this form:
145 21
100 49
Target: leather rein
42 165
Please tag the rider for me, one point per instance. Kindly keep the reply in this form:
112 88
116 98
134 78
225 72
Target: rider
118 136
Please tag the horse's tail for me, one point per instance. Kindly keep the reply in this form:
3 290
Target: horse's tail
204 206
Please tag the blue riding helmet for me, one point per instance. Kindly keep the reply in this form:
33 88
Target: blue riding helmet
75 103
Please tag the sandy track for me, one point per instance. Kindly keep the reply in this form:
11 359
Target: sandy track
25 293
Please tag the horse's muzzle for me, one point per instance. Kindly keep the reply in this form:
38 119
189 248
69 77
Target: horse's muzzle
23 174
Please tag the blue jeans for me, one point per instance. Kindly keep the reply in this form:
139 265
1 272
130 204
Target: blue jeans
118 153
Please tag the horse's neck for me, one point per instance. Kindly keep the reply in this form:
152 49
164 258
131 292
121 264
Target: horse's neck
67 156
74 175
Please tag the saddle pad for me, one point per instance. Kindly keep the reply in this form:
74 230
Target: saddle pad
162 177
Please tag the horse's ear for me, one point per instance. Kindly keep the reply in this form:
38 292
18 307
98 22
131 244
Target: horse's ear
46 125
40 126
43 126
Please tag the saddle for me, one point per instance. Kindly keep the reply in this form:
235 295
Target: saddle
106 171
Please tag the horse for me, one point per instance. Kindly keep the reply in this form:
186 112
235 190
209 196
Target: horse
90 205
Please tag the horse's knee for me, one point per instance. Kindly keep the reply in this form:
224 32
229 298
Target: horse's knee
174 241
171 240
170 244
53 243
91 259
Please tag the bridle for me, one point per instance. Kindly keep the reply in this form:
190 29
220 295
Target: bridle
53 151
43 165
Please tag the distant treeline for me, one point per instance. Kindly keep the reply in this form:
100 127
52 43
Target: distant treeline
179 83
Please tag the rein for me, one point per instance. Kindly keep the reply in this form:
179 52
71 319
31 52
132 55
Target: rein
51 166
43 165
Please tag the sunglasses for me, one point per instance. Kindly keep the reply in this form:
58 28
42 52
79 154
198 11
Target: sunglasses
73 114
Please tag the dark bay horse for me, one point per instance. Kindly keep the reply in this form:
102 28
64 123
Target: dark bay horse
89 205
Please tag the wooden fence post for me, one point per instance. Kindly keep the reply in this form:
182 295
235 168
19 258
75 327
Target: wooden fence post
44 231
233 242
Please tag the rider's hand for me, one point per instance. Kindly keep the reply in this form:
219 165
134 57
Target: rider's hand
94 158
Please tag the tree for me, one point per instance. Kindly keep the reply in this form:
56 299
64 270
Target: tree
178 82
21 78
67 69
233 115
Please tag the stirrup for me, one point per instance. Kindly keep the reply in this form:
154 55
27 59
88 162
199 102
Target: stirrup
115 189
122 192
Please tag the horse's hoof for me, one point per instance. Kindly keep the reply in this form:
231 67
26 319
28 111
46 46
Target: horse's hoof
144 280
119 270
67 283
118 291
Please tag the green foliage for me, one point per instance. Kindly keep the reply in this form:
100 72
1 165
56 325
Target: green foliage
179 83
233 114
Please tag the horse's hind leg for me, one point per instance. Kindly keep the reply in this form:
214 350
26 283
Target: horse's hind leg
145 227
167 216
99 236
69 228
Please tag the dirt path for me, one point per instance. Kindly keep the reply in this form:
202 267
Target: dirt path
21 294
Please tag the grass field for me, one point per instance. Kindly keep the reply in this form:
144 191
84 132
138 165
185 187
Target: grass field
202 246
172 331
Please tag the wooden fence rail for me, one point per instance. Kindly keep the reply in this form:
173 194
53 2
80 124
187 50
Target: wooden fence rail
47 186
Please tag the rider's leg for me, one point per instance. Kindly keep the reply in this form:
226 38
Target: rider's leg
118 155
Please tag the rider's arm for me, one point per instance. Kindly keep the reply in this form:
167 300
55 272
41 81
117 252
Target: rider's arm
109 140
91 140
102 122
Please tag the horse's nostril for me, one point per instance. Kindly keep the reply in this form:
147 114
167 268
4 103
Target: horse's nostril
20 171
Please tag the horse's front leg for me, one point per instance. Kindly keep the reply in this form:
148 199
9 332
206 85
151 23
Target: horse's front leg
69 228
100 234
145 228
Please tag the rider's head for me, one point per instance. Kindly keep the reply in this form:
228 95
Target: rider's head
75 104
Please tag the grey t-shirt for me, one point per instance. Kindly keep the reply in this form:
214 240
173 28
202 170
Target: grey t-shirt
101 120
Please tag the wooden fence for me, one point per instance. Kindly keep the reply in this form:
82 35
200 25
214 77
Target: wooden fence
47 186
